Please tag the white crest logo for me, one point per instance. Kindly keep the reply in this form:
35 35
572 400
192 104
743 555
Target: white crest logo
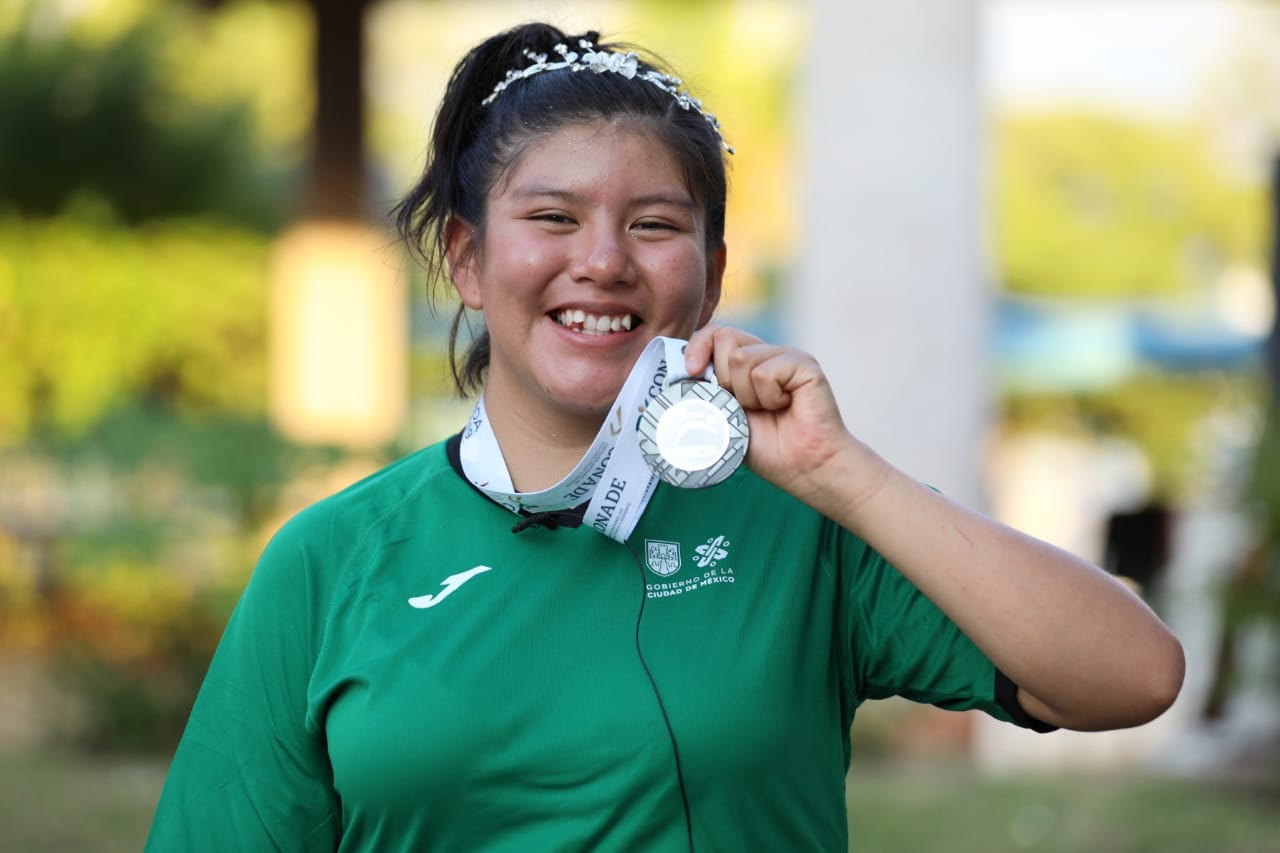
713 552
663 558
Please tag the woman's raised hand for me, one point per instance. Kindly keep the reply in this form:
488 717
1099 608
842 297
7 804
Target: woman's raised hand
799 442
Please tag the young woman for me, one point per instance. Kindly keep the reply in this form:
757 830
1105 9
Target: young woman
518 640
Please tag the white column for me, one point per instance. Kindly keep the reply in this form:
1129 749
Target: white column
892 295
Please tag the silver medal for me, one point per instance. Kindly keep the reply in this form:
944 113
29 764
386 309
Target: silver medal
694 434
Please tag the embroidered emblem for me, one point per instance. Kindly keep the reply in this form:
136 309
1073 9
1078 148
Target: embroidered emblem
662 558
713 552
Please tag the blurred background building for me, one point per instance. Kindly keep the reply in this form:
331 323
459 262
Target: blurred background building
1028 239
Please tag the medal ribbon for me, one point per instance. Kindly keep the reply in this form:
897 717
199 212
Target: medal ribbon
612 474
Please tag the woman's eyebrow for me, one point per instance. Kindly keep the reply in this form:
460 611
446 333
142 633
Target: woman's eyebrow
571 197
659 199
541 191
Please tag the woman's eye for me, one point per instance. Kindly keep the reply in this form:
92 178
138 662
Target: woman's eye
650 225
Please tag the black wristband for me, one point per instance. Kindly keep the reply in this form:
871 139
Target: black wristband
1007 697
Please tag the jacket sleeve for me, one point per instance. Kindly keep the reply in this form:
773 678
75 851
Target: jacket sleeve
248 774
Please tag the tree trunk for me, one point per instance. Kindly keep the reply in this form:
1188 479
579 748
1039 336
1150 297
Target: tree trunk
337 183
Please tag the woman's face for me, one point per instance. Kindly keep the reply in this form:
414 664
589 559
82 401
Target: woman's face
593 246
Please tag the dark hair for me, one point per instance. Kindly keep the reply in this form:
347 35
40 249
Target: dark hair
472 144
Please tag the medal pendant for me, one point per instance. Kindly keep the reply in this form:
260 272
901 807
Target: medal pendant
694 434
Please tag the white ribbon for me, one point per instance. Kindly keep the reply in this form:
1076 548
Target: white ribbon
613 473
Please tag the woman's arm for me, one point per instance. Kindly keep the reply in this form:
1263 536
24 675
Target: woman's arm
1085 651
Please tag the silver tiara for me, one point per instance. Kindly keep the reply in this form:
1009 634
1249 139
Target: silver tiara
602 61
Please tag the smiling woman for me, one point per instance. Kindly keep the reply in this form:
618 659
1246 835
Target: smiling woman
592 225
520 639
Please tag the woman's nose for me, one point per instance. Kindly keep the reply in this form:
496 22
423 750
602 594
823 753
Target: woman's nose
602 259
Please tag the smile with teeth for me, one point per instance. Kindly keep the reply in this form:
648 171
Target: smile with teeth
593 324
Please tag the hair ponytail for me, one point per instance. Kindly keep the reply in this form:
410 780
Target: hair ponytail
450 186
442 192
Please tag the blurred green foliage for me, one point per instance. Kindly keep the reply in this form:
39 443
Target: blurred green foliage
1252 593
136 642
1102 207
94 315
138 470
1094 205
1164 413
100 123
132 386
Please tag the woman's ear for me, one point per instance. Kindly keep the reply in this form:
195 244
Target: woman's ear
462 255
715 280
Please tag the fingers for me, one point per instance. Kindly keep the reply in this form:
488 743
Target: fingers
698 353
760 375
719 347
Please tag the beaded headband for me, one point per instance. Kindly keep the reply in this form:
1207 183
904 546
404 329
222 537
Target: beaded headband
602 61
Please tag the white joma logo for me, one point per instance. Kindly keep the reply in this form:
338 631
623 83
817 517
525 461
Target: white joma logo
450 584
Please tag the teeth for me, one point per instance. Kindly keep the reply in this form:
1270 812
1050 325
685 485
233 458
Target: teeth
595 324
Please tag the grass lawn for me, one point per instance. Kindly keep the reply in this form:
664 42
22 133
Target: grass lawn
70 804
76 804
953 809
